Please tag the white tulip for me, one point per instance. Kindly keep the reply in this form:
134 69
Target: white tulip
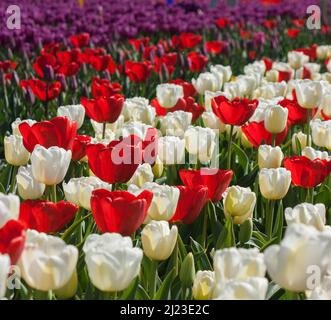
203 285
110 127
158 240
326 104
302 140
313 154
17 122
47 262
233 89
200 142
49 166
111 260
271 90
165 199
288 263
9 208
168 94
75 113
143 174
206 81
297 59
274 183
15 152
28 186
79 190
223 72
211 121
175 123
210 95
321 133
308 214
309 93
270 157
171 150
275 119
138 109
323 52
4 270
255 67
138 129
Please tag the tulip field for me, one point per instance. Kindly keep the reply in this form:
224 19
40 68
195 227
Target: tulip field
165 150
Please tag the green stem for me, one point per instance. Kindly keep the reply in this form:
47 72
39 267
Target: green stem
13 180
104 130
233 236
54 196
205 226
308 127
270 217
153 279
69 231
274 139
230 148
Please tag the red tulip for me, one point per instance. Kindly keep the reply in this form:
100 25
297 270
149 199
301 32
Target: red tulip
235 112
51 48
102 63
46 216
89 53
66 57
257 134
104 88
268 63
216 180
6 65
80 40
116 162
150 146
160 111
138 43
119 211
307 173
12 239
194 108
59 131
42 90
69 70
222 22
79 147
43 61
185 41
167 61
104 109
196 61
293 33
188 87
138 71
190 203
215 47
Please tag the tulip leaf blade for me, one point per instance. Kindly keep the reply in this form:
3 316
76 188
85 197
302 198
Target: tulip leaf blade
164 290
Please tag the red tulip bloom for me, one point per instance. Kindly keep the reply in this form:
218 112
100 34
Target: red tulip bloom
284 76
6 65
138 71
43 61
215 47
167 61
59 131
150 146
46 216
194 108
160 111
257 134
119 211
235 112
68 70
102 63
268 63
311 52
325 117
79 147
216 180
188 87
293 33
42 90
89 53
116 162
80 40
222 22
139 43
190 203
104 88
51 48
12 239
104 109
196 61
185 41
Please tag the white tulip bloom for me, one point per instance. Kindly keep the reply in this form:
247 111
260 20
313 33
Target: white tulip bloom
15 152
175 123
143 174
270 157
75 113
168 94
9 208
171 150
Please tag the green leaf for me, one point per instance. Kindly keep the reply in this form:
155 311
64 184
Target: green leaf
164 290
142 294
200 255
130 292
279 222
242 157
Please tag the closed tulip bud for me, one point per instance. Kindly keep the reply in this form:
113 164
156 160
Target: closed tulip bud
299 138
200 142
171 150
69 289
164 201
297 59
9 208
175 123
15 152
203 286
157 168
187 271
4 270
308 214
211 121
142 175
308 93
245 231
168 94
47 262
111 260
270 157
239 203
289 263
49 166
28 186
275 119
274 183
75 113
158 240
79 190
206 81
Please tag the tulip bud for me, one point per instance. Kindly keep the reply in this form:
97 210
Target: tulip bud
270 157
28 186
75 113
49 166
142 175
274 183
245 231
239 203
299 138
15 152
9 208
158 240
203 286
4 269
275 119
168 94
157 168
69 289
187 271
